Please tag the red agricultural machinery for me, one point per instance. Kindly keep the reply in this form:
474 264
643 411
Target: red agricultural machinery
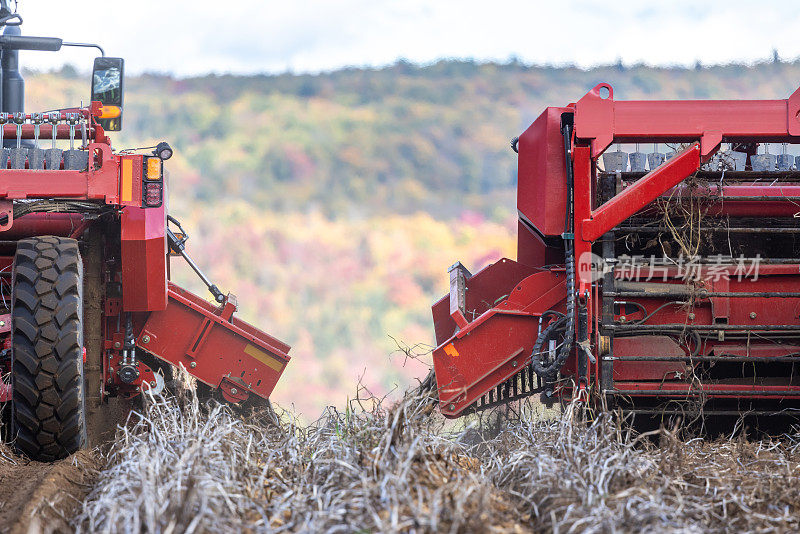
89 313
657 282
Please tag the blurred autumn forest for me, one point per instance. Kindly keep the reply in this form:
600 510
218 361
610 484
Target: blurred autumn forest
332 204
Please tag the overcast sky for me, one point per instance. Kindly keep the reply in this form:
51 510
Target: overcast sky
188 37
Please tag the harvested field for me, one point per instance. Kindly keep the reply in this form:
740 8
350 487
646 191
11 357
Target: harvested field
43 497
180 467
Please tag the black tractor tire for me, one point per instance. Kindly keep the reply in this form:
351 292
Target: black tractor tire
49 407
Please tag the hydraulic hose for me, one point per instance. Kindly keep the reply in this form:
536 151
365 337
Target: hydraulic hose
548 371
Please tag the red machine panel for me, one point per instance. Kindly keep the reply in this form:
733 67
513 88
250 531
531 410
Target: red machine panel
483 289
144 259
215 347
497 343
542 186
533 251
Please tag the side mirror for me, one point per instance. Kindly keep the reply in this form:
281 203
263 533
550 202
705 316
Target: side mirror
108 89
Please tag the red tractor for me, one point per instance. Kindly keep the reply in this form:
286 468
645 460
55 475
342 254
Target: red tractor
664 281
85 245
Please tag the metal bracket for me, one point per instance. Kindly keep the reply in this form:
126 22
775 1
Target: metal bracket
458 288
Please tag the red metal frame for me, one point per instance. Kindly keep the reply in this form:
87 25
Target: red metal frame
227 353
475 354
602 121
640 194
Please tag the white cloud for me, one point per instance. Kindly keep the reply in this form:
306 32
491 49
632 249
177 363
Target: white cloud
197 36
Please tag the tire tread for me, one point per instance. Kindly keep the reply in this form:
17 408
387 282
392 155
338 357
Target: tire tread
48 413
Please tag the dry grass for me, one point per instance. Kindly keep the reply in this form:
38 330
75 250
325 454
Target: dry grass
180 467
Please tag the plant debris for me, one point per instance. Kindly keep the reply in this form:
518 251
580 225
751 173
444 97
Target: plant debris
184 466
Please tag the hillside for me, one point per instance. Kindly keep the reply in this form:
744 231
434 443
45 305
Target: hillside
332 204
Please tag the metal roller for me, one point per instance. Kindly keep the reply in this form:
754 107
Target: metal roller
638 161
19 154
764 162
615 161
785 160
4 117
36 155
655 158
738 159
52 156
74 159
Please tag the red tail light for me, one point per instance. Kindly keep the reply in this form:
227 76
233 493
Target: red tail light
153 194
